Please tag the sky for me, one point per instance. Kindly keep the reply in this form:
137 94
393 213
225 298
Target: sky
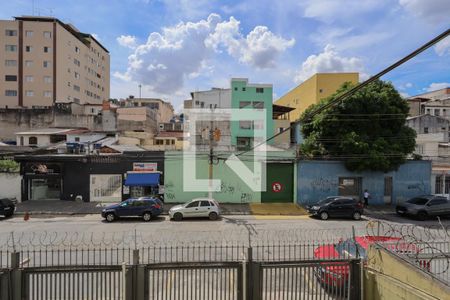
174 47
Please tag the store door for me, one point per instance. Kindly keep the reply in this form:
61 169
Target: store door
48 188
106 187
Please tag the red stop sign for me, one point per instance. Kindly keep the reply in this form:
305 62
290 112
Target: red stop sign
277 187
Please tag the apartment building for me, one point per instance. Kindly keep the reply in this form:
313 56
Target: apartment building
314 89
45 61
164 110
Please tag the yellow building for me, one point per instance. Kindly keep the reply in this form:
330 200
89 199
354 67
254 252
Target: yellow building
311 91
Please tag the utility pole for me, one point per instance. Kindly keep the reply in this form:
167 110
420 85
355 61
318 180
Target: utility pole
211 155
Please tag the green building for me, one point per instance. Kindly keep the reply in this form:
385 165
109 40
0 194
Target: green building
250 96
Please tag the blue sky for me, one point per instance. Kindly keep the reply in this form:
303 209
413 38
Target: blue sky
174 47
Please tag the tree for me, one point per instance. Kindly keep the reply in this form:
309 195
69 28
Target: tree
367 129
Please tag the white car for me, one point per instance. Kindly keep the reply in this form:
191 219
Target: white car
199 207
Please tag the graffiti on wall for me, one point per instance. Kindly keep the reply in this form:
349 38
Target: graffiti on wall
323 184
420 186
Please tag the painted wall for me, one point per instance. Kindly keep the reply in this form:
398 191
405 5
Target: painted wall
10 185
318 179
241 90
312 90
388 277
233 189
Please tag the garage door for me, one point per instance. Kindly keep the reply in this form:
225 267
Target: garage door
106 188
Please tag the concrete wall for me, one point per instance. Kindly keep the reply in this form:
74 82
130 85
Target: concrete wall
432 123
16 120
283 140
10 185
388 277
318 179
215 98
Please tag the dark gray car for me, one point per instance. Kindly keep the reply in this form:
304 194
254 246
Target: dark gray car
425 206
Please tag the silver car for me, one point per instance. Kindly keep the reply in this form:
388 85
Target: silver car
424 207
199 207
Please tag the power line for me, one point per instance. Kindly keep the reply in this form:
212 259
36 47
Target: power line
358 87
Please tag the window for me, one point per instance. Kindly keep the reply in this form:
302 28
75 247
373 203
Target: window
243 104
76 61
437 112
10 32
320 91
10 48
235 88
10 77
47 64
280 129
77 75
243 89
77 50
76 88
47 94
259 90
204 203
193 204
350 186
32 140
10 63
425 130
28 48
11 93
29 78
28 63
159 142
47 49
77 139
47 79
437 201
258 104
28 33
47 34
245 124
29 93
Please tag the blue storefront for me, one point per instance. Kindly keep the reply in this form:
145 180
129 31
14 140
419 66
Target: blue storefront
318 179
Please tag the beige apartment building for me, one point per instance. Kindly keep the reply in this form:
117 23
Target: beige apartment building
163 109
45 61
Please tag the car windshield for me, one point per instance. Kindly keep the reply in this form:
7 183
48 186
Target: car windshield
326 201
418 201
348 248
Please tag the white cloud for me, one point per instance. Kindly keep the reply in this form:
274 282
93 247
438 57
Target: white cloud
437 86
433 11
330 10
329 61
259 48
127 41
185 51
443 47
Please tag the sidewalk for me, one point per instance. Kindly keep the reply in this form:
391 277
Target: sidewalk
61 207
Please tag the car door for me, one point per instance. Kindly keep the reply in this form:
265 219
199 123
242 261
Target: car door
124 209
191 210
437 206
335 208
205 208
348 206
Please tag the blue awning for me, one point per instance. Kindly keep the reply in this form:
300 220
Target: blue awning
142 179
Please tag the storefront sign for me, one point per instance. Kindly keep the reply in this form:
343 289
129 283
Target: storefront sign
145 167
277 187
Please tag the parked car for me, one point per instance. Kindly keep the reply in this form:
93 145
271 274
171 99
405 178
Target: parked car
337 206
7 207
199 207
144 207
335 276
425 206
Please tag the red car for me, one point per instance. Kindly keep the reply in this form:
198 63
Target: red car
336 275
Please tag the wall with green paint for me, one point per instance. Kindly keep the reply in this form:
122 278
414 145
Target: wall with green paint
241 90
233 189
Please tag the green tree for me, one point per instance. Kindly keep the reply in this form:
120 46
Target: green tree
367 129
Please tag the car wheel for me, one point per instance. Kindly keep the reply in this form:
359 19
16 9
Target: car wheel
421 215
147 216
213 216
110 217
324 215
356 215
178 216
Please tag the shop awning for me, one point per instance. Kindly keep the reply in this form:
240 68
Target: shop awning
142 179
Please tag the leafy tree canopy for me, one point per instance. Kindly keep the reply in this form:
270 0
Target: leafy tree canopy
367 129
